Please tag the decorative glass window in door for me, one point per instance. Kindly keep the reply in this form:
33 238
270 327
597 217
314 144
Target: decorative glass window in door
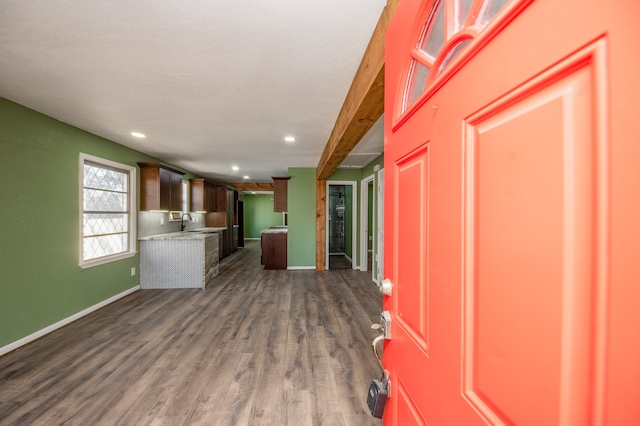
449 28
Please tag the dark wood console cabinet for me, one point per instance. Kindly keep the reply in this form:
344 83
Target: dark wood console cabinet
274 250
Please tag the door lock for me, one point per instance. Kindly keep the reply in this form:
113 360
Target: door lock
385 324
378 394
379 390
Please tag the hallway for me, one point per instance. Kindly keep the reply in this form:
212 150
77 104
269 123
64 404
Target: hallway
256 347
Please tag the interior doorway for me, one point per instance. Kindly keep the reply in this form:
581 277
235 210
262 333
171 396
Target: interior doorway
378 275
367 225
341 225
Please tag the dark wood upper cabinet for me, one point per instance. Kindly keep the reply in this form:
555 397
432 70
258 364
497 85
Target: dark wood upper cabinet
160 187
221 198
175 194
210 197
203 196
280 193
197 199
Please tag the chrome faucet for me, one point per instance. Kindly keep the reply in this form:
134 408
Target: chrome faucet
182 225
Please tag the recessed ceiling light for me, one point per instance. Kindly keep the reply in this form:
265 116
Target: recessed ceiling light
235 168
289 139
138 134
246 177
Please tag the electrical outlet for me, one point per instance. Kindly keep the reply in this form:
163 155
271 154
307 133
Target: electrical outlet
162 221
133 271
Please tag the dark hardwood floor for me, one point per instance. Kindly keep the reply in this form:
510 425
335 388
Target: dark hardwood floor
255 348
339 261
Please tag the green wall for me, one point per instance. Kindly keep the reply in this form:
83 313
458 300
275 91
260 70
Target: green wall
368 170
259 214
39 200
301 242
302 214
346 174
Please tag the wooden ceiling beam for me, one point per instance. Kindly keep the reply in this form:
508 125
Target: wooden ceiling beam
364 103
247 186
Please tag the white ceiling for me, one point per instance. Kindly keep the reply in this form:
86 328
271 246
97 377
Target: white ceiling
211 83
370 146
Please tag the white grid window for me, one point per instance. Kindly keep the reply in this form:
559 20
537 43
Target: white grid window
107 203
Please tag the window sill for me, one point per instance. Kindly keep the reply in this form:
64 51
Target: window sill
107 259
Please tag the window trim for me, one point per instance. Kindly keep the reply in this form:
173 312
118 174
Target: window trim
132 209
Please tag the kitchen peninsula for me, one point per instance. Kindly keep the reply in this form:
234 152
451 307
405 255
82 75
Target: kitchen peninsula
179 259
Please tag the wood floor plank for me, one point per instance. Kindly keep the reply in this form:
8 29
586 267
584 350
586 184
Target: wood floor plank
330 419
300 409
255 347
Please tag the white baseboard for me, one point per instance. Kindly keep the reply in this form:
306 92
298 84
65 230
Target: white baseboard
301 268
38 334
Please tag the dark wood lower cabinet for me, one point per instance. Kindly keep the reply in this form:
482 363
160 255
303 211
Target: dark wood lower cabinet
235 243
226 245
274 250
221 244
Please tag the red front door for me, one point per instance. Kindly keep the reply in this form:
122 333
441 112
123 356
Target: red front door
512 230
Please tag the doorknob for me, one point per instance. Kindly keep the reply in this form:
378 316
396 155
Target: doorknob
385 287
374 346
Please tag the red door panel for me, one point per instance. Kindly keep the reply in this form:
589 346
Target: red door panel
405 408
412 299
529 252
511 206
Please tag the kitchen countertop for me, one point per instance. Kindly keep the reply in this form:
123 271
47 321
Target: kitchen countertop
196 234
210 229
274 230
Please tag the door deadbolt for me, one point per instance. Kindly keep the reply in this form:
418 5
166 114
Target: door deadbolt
385 324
